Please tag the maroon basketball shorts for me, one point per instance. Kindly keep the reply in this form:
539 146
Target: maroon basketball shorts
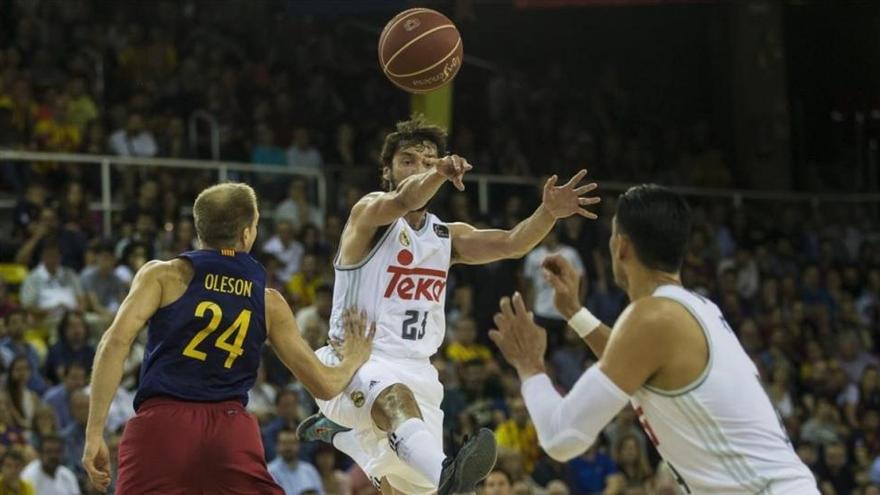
174 447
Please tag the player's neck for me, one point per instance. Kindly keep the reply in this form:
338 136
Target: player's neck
416 219
643 283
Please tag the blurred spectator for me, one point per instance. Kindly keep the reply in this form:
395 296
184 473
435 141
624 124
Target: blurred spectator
43 425
10 475
261 397
24 401
47 475
50 288
304 283
134 139
497 483
313 321
74 434
590 470
334 481
464 346
288 417
834 469
634 471
296 208
12 436
81 110
546 314
518 433
14 346
72 346
103 288
853 357
7 305
265 151
285 248
293 475
74 378
301 153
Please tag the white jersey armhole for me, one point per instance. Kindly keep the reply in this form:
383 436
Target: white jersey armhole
369 255
707 336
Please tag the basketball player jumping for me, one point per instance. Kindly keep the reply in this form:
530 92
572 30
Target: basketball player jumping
392 262
191 433
671 355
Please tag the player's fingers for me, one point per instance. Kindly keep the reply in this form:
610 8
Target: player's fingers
372 333
506 308
467 166
553 280
520 306
458 183
495 336
587 214
551 181
500 321
586 188
577 178
588 201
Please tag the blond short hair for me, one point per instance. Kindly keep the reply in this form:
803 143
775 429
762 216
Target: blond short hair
222 211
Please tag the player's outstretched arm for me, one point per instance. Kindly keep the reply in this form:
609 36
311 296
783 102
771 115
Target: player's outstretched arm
473 246
568 426
138 307
323 382
414 192
566 283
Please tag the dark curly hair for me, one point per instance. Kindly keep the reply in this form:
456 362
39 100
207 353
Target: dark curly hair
415 130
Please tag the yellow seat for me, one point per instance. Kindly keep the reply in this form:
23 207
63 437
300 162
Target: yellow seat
13 273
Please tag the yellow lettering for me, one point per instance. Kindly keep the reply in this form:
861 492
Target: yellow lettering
228 285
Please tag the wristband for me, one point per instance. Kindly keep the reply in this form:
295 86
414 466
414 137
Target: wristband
583 322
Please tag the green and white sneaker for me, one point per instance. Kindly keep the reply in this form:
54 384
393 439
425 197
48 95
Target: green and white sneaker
318 427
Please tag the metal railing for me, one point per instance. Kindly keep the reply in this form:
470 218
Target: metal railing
106 206
483 182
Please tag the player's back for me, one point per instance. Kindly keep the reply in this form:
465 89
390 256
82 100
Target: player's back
206 345
721 433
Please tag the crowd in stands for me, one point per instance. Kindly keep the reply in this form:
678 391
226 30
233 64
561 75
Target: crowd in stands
799 286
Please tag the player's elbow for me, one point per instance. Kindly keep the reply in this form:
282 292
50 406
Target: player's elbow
563 448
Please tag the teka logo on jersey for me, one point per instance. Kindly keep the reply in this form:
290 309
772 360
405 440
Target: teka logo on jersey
415 283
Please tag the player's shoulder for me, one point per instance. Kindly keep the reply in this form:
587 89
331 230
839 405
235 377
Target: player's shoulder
652 318
176 270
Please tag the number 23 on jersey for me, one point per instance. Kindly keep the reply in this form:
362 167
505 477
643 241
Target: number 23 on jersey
239 329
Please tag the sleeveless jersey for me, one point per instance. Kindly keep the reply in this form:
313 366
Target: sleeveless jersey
206 345
401 284
721 434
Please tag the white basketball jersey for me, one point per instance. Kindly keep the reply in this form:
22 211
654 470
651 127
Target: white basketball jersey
721 434
401 285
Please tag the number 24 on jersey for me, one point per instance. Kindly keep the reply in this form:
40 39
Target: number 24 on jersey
239 328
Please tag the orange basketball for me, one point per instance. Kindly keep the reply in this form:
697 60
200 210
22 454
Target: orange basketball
420 50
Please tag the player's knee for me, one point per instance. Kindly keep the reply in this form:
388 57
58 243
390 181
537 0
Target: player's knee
393 406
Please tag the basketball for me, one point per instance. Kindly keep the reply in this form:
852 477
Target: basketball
420 50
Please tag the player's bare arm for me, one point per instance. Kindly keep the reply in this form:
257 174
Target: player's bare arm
323 382
567 283
144 298
472 246
411 194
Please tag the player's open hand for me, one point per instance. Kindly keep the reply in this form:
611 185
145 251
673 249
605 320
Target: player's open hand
453 167
560 274
565 201
522 342
96 461
358 343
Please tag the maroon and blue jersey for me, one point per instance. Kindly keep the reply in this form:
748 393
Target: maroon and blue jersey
206 346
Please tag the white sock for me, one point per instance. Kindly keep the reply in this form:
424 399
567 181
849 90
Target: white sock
346 442
412 440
